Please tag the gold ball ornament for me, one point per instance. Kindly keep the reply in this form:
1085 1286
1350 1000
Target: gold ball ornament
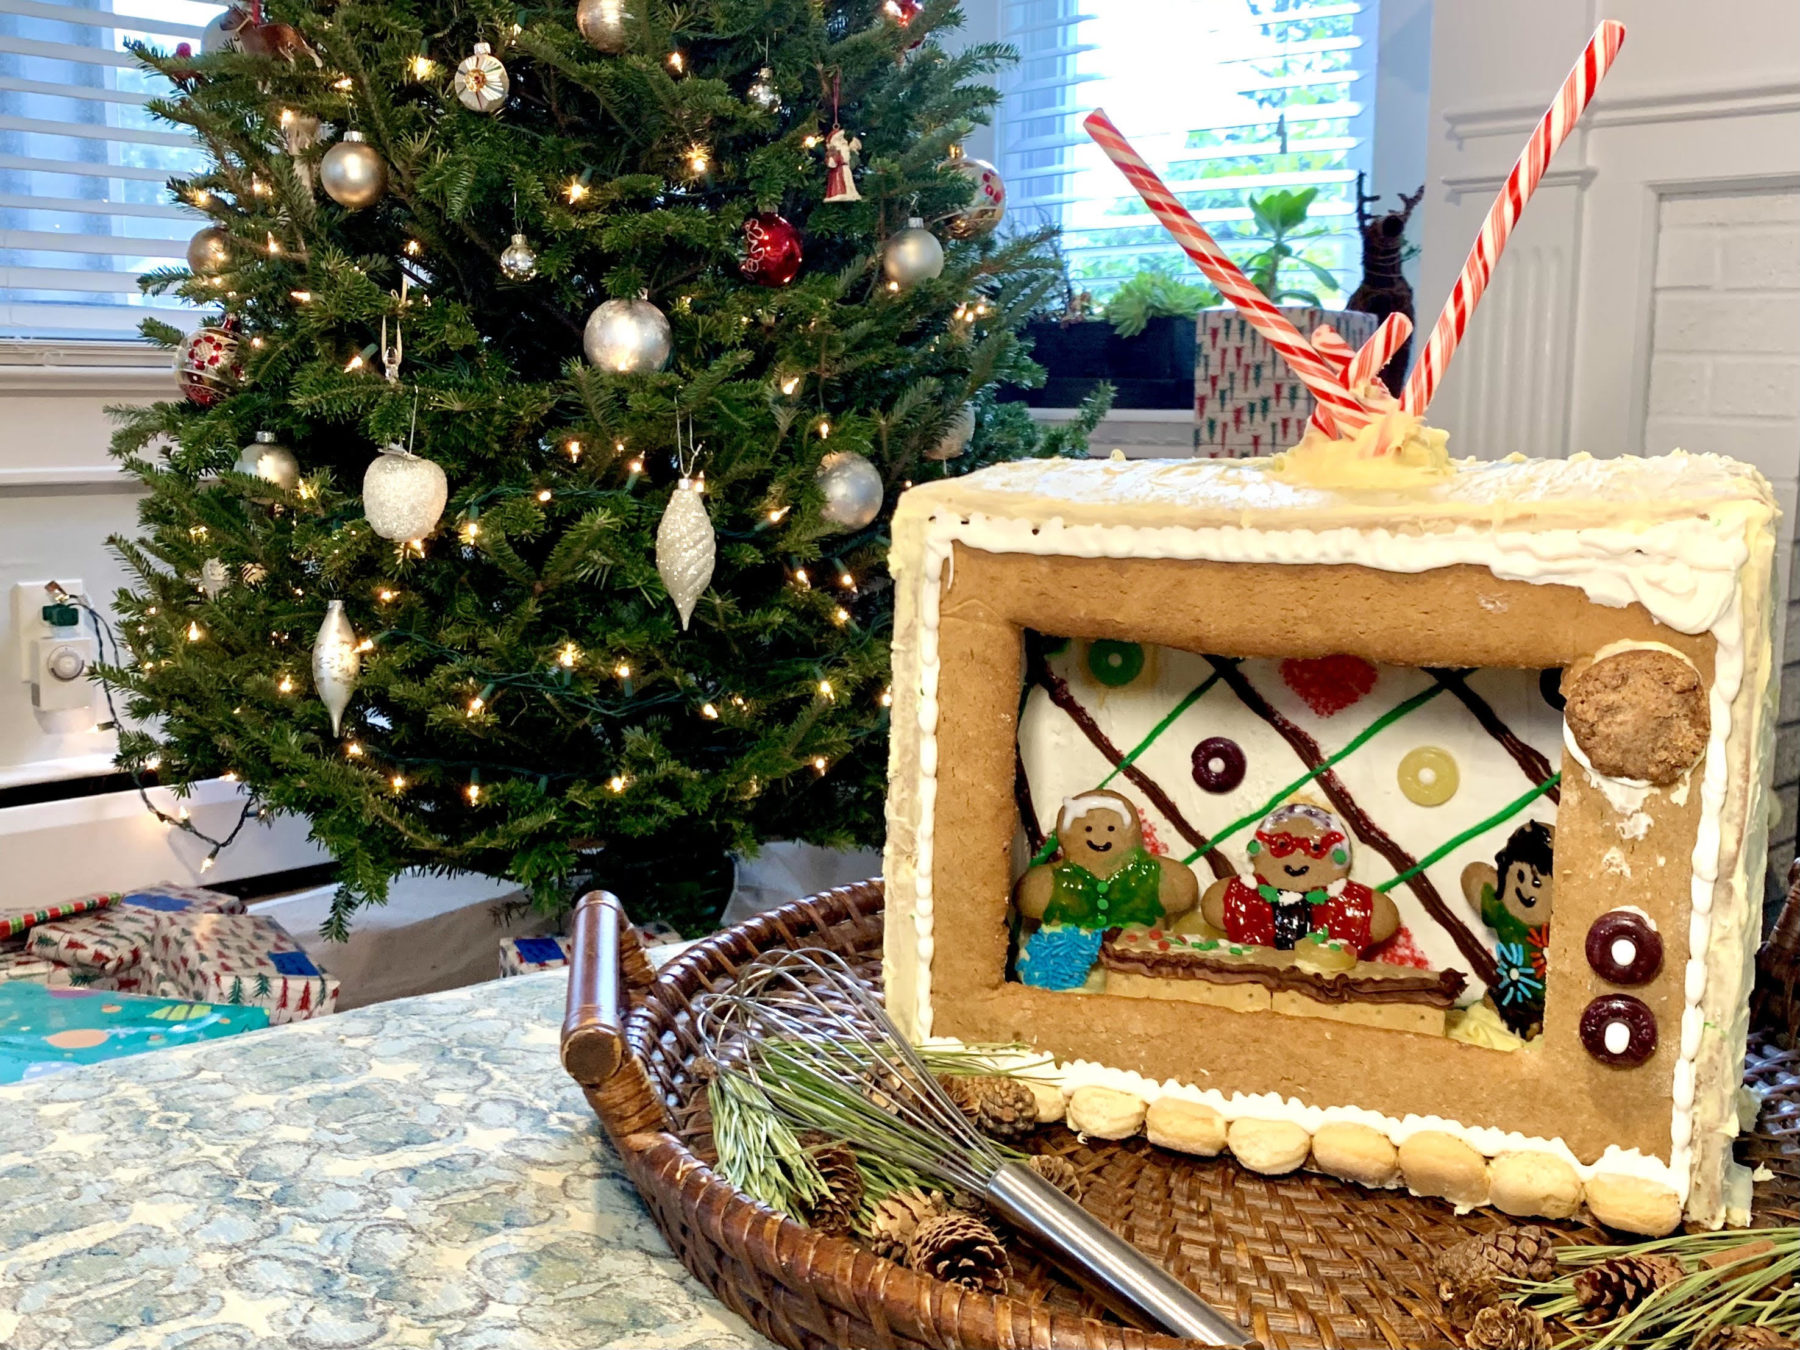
602 23
209 252
481 82
518 260
630 337
956 436
352 173
986 204
762 93
912 255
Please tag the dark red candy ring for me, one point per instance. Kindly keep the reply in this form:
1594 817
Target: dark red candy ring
1619 1029
1623 948
1218 764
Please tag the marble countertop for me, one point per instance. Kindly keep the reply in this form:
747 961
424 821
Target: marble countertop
416 1173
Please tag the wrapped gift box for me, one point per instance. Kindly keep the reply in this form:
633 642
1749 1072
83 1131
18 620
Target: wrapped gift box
242 959
103 943
167 898
135 980
523 955
14 921
19 963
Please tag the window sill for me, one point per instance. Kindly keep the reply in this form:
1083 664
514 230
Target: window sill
93 369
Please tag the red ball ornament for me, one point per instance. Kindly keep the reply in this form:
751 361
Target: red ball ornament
206 365
771 250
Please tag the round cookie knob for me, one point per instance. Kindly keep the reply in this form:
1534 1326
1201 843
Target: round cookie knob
1619 1029
1639 714
1623 948
1218 764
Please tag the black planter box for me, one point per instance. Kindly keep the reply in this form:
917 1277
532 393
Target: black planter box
1155 369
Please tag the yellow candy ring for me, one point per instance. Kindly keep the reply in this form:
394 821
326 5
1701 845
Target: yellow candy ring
1429 776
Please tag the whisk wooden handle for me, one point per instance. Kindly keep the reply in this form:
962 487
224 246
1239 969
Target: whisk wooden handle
605 950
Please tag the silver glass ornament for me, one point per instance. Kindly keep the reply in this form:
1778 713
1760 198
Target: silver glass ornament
336 663
912 255
956 436
631 337
517 260
986 204
352 172
481 82
762 93
685 547
215 577
209 251
271 461
602 23
403 494
853 490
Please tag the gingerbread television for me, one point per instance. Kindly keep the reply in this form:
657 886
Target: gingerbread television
1359 809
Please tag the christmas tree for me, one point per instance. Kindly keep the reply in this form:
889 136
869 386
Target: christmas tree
415 567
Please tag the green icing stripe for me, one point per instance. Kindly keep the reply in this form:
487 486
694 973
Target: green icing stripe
1511 809
1362 738
1194 695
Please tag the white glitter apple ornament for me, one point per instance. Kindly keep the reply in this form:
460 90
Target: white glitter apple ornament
404 494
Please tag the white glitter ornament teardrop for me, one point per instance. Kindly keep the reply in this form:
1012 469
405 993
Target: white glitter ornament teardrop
685 547
336 664
481 82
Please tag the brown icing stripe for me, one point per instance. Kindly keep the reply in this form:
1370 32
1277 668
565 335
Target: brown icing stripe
1536 767
1058 690
1436 989
1474 951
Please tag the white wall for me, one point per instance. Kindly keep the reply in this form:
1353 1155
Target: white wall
60 497
1650 298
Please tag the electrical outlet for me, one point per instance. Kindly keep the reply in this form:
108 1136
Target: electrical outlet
28 601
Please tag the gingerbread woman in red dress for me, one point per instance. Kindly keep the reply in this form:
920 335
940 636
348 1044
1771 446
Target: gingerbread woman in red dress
1302 892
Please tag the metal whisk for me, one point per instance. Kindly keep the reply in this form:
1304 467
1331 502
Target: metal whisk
819 1046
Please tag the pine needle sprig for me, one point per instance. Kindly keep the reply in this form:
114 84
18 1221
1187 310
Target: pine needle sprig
1735 1277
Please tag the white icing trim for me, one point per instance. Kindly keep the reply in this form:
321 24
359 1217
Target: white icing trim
1691 583
1074 808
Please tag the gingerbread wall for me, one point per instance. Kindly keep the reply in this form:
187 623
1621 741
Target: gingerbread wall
1460 616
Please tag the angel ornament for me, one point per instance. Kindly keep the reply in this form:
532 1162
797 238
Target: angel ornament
840 165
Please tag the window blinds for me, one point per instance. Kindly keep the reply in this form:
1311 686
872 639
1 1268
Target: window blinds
1224 98
83 209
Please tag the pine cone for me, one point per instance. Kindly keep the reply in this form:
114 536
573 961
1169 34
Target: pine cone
1745 1338
896 1218
960 1250
1058 1171
1615 1287
836 1210
1470 1274
1508 1326
996 1105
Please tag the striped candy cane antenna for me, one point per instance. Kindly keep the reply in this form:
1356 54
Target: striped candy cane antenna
1335 403
1554 128
1328 344
1378 350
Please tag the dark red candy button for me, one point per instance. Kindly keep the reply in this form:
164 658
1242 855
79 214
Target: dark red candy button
1623 948
1619 1029
1218 764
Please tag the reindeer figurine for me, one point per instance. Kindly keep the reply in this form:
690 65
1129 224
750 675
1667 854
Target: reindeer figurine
1384 289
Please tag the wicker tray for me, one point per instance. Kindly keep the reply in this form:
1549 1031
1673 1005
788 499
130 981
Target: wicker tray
1301 1260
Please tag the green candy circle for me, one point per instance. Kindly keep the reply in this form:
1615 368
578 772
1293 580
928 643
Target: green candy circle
1115 664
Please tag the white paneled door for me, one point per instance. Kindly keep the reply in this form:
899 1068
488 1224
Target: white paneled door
1650 299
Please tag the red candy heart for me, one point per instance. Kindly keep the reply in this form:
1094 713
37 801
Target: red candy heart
1329 684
